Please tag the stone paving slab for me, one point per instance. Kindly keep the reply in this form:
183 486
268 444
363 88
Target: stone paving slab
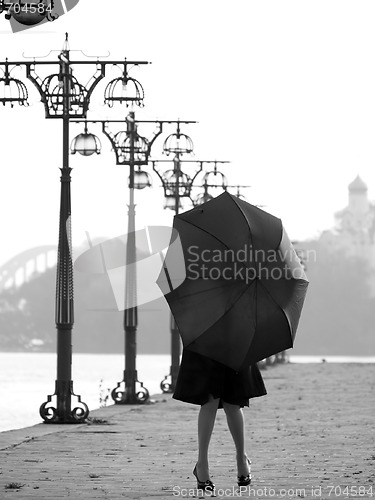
311 437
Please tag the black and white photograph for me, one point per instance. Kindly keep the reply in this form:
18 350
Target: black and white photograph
187 252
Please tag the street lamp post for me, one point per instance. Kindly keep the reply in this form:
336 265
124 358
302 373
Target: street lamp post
177 185
126 391
133 150
63 98
179 144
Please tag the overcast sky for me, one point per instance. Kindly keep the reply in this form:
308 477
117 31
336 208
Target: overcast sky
284 90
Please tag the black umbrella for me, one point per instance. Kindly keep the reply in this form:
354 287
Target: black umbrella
244 288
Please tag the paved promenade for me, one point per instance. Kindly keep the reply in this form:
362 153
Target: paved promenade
312 436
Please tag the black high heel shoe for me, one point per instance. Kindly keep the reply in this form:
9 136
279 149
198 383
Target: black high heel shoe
203 485
245 480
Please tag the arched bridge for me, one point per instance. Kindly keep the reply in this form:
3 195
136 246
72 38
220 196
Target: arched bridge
25 265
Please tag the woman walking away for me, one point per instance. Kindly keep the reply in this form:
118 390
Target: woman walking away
213 385
239 302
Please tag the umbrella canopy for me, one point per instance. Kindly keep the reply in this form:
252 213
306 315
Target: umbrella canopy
244 288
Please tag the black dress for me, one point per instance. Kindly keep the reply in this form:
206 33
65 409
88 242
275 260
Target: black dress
199 377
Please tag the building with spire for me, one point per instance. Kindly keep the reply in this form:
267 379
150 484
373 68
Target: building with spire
354 226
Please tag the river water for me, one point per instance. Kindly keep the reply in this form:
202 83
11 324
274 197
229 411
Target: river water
27 378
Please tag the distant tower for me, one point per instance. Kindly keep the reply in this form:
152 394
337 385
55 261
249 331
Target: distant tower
358 201
354 228
354 218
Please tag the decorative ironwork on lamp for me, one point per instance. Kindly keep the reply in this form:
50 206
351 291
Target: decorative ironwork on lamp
202 197
54 94
124 89
212 179
240 195
13 90
178 143
176 184
61 93
215 179
132 145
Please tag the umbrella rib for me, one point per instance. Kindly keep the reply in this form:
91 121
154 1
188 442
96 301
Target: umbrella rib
210 234
244 215
229 309
220 286
166 273
232 305
278 305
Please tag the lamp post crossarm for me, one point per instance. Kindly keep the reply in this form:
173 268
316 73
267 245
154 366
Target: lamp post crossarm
200 163
48 87
74 62
112 136
111 139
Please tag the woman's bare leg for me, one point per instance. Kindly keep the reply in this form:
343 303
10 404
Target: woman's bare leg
206 422
236 427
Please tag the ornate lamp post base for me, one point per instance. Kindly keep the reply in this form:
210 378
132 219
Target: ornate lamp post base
168 384
61 412
130 390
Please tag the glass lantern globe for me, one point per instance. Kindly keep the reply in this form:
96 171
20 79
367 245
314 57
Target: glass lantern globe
178 144
141 179
170 203
12 90
215 179
202 198
124 89
85 144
